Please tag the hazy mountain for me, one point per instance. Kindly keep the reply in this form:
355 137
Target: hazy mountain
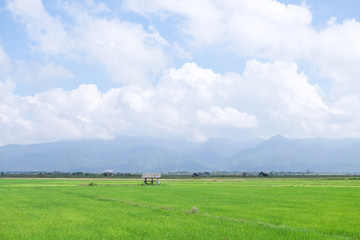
121 154
317 154
213 152
136 154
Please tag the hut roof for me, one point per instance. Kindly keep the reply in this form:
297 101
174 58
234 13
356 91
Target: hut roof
151 175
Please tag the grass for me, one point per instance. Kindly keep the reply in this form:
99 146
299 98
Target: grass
180 209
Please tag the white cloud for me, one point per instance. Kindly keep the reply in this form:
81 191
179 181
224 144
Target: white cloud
127 51
268 98
227 117
265 29
46 32
262 28
6 89
337 55
11 109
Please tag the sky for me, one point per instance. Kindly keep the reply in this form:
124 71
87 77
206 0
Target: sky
194 69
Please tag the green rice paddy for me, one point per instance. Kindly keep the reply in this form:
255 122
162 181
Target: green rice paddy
180 209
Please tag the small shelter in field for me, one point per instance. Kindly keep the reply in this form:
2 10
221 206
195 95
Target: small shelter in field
263 174
152 176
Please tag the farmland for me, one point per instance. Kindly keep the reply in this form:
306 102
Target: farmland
258 208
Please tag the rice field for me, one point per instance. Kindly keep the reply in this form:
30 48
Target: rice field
180 209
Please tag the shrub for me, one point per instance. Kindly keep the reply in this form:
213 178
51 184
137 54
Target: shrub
194 210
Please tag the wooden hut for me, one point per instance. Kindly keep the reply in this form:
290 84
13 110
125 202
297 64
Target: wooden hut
152 176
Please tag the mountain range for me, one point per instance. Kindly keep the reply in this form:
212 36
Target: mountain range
138 154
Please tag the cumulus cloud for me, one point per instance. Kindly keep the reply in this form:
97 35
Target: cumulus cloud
190 101
127 51
271 95
337 55
227 117
266 29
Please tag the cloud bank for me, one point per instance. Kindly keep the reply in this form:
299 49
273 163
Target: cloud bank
298 81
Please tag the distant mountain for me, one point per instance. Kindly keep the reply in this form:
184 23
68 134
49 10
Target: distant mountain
213 152
121 154
137 154
282 154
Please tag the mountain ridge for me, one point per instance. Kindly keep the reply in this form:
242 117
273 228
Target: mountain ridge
136 154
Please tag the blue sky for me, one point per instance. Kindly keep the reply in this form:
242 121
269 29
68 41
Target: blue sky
191 69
